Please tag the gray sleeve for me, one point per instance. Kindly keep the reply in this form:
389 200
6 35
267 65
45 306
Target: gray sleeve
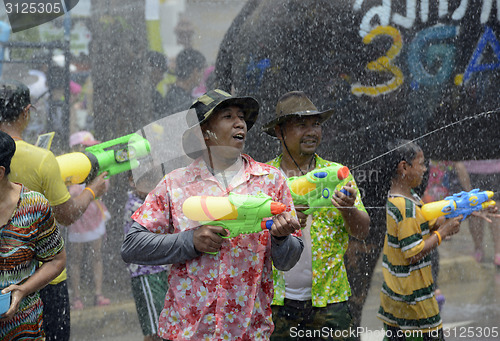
286 252
142 246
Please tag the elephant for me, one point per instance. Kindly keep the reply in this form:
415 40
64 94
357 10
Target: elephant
427 71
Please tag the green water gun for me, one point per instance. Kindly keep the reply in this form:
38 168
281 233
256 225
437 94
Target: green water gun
238 213
316 188
114 156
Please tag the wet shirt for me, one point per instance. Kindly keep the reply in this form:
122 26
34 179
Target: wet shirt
30 236
407 296
132 205
225 296
329 240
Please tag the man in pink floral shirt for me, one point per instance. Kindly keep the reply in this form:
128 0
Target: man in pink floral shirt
227 294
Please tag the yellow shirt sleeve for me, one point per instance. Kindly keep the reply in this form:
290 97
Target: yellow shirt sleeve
55 189
38 169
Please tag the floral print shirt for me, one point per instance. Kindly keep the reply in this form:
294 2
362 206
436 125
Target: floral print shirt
329 243
30 236
226 296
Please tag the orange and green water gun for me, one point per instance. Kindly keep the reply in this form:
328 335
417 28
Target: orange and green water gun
237 213
316 188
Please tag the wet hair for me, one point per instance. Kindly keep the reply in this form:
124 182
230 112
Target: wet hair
14 97
187 61
7 150
400 150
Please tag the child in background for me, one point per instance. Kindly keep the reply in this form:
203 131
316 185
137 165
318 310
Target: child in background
407 297
445 178
485 174
90 229
149 282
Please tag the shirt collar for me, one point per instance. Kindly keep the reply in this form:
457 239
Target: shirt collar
199 169
319 162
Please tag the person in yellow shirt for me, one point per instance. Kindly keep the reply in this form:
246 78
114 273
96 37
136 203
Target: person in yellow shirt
37 169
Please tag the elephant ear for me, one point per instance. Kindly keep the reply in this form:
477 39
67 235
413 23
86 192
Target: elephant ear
224 62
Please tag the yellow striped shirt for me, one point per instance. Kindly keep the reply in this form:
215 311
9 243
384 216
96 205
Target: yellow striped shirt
407 296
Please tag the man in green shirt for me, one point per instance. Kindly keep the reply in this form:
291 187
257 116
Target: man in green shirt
310 300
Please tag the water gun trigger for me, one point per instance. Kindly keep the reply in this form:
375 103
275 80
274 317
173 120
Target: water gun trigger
345 192
268 224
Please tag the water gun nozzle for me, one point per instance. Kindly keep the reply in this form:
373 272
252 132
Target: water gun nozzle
343 173
277 208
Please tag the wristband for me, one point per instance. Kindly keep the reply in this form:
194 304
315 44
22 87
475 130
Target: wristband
439 237
90 190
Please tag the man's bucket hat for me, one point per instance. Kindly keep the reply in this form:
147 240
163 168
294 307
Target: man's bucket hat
207 104
293 104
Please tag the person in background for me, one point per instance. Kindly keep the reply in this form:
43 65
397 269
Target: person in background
29 235
77 121
184 32
445 178
206 82
158 65
485 175
314 293
37 169
189 66
89 230
149 282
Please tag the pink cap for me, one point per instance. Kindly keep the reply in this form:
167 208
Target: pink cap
84 138
74 88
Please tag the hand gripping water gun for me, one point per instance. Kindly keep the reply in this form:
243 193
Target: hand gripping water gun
238 213
463 203
316 188
114 156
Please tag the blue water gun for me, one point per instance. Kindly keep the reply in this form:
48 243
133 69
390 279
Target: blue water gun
463 203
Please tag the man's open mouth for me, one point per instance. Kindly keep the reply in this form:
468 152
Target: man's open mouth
239 136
